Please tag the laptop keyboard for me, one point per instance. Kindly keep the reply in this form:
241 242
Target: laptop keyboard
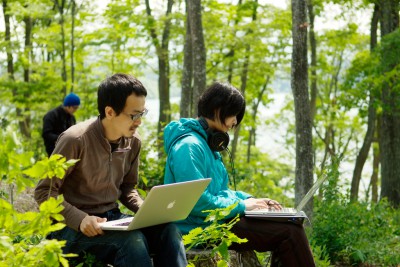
122 224
283 210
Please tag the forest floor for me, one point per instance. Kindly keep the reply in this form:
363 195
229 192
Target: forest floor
22 202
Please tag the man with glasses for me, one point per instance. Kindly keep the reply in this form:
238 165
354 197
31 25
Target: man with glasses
58 120
108 149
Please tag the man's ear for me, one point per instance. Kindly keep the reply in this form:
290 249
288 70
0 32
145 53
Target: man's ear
110 113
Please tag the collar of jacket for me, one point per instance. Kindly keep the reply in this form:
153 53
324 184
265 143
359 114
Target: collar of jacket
124 144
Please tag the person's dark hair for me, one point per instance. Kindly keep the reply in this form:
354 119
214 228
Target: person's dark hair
114 91
222 97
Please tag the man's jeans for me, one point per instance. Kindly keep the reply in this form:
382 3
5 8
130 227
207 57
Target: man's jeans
128 248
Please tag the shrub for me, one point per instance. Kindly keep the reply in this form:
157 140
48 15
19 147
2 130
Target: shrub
22 235
358 233
216 236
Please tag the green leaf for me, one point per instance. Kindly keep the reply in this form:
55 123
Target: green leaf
222 263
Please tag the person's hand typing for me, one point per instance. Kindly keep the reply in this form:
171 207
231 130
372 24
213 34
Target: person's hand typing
255 203
90 226
262 203
272 204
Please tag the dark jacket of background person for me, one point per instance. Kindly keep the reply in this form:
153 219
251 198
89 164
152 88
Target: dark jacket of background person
55 122
58 120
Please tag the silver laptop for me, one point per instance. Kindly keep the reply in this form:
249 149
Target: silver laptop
288 212
163 204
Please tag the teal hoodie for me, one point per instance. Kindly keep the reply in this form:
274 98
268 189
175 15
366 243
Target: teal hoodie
190 158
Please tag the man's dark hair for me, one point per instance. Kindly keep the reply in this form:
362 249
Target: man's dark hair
222 97
114 91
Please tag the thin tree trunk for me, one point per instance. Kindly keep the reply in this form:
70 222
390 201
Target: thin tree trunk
299 84
25 122
10 72
10 60
199 51
390 134
374 176
243 77
187 72
363 154
73 11
376 15
254 111
163 68
231 52
313 63
60 9
369 136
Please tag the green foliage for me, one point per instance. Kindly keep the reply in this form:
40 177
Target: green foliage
355 233
217 236
389 51
56 165
22 235
321 256
152 164
361 81
263 176
117 39
11 163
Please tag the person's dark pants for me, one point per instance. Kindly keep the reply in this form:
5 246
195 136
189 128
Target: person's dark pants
287 241
129 248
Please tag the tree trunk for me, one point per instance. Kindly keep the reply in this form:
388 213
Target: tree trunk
25 120
369 136
60 9
374 176
390 134
254 110
231 52
244 74
243 84
187 72
199 51
299 84
73 11
163 69
363 154
376 15
10 67
10 60
313 63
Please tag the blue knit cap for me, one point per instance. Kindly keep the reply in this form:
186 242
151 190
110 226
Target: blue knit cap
71 100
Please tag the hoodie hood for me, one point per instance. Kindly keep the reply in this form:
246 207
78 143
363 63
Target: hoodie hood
175 130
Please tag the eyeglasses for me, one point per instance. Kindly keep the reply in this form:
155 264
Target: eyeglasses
135 117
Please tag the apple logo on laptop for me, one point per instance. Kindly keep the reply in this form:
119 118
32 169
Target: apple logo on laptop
171 205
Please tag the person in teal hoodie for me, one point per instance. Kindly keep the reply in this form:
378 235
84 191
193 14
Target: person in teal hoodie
193 148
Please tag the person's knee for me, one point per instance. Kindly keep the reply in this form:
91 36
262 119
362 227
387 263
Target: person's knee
135 240
172 233
133 250
294 231
172 230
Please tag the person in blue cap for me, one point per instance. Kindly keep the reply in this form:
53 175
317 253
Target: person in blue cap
58 120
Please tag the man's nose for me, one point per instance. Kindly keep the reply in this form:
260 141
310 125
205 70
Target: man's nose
138 121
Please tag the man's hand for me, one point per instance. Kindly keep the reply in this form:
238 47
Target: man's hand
90 226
